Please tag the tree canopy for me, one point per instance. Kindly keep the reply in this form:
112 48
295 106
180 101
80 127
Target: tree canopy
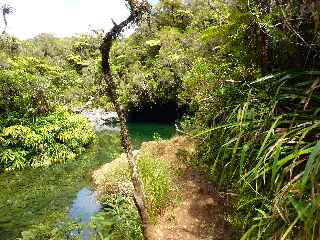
245 73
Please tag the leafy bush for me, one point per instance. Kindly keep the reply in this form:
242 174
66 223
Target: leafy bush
55 138
120 220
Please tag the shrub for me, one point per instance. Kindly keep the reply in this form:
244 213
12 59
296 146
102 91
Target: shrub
44 140
120 220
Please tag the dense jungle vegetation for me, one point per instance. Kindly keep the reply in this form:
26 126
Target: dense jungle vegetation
247 73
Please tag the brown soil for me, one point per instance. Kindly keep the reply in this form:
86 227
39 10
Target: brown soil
200 212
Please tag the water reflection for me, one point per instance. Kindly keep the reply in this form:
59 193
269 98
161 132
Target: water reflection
83 208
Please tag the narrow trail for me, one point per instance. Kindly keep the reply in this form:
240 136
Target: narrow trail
194 210
199 216
200 213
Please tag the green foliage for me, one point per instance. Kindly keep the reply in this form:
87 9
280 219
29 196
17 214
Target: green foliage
47 232
34 196
9 44
31 85
149 67
39 73
36 78
155 175
267 147
259 137
120 220
173 13
55 138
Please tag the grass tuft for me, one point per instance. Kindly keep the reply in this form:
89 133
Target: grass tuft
156 176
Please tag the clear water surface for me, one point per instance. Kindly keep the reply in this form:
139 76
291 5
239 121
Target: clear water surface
45 195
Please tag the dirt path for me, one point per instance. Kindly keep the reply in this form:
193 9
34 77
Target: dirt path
200 211
195 210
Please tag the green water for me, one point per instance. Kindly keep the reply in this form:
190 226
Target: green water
44 195
142 131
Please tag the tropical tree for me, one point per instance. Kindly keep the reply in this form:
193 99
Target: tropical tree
6 9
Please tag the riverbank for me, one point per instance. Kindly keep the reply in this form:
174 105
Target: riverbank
44 195
182 202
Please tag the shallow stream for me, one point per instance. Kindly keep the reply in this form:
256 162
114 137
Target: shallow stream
45 195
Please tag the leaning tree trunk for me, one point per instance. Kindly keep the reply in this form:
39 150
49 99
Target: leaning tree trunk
125 141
